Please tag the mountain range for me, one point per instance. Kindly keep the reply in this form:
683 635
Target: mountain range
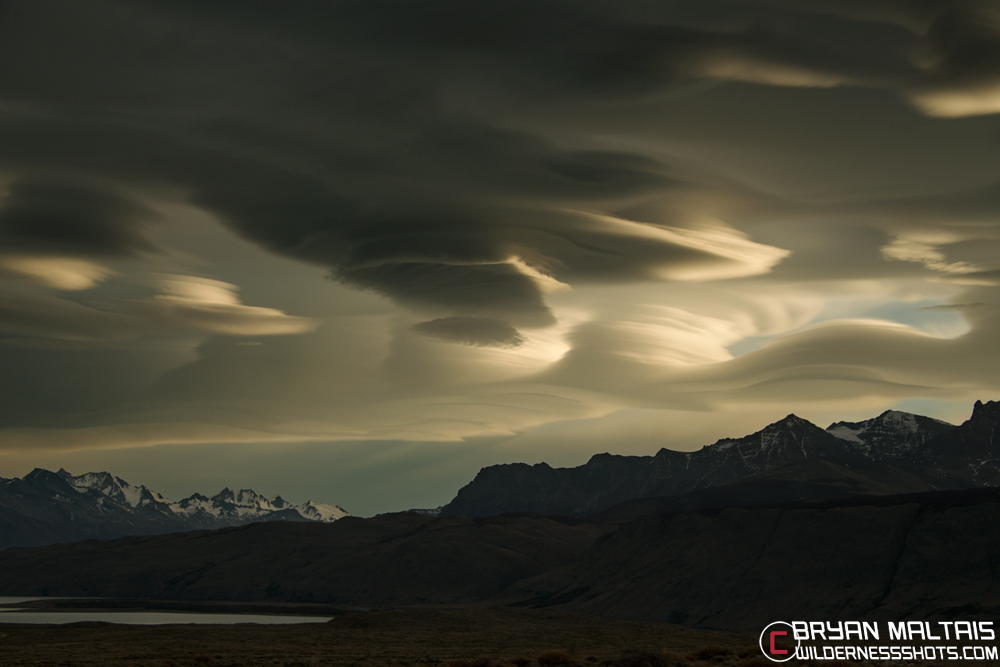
893 518
896 452
45 507
787 461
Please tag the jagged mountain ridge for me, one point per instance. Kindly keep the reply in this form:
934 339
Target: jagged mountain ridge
892 433
918 445
45 507
970 454
608 479
227 504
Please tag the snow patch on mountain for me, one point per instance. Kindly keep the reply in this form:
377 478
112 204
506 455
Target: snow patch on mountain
845 432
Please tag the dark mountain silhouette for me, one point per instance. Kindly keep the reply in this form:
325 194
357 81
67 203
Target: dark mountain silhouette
606 479
891 434
815 479
402 558
926 556
970 454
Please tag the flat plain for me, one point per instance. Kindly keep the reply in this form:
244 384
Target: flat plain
457 637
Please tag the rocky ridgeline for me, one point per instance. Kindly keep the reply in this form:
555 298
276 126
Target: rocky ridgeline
915 453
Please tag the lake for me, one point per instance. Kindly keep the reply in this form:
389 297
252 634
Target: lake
140 617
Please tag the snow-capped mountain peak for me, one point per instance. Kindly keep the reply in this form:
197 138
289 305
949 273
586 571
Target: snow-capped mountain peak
196 504
321 512
113 487
892 433
227 507
249 503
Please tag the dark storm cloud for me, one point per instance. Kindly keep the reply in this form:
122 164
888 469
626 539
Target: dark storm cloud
335 133
959 57
553 47
496 166
70 219
478 331
962 42
486 288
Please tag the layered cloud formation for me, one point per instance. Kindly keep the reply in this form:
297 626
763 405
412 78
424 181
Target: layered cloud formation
432 221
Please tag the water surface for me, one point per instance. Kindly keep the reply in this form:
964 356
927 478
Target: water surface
140 617
148 617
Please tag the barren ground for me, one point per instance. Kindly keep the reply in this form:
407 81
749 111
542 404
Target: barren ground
370 639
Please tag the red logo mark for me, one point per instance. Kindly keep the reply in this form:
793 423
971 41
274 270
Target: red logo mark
767 638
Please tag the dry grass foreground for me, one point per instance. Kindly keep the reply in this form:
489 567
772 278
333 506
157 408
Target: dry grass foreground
433 637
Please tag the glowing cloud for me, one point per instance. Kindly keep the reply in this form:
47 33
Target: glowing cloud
61 273
743 67
956 102
212 306
731 254
924 250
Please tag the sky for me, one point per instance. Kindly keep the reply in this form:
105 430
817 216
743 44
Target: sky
354 250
